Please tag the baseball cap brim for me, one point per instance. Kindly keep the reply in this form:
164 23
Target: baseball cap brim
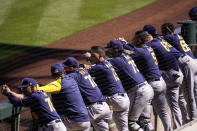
23 86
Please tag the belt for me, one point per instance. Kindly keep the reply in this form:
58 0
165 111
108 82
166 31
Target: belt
155 79
140 85
99 102
56 121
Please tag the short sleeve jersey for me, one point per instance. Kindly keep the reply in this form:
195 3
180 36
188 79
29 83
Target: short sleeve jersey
146 62
69 102
178 42
166 59
88 88
106 78
40 104
127 71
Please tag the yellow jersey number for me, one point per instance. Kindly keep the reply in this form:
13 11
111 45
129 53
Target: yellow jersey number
166 45
132 63
50 104
88 77
154 57
184 46
108 65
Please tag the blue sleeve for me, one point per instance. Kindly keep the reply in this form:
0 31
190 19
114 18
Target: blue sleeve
136 53
14 100
115 64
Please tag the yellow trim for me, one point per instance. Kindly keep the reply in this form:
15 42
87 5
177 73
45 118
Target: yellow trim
53 87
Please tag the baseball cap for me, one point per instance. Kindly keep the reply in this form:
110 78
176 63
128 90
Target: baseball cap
57 68
28 82
193 12
150 29
70 62
115 44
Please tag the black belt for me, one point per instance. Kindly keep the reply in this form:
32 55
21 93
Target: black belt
121 94
155 79
99 102
56 121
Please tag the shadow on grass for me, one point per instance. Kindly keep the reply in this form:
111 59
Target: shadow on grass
31 55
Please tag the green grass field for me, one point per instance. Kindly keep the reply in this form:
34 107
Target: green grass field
42 22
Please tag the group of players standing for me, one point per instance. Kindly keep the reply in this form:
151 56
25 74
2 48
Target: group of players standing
121 83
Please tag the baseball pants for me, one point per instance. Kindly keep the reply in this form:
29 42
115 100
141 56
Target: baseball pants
120 105
76 126
55 125
159 102
174 80
100 115
188 66
140 97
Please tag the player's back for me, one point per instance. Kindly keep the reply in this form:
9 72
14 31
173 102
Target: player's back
146 62
69 102
41 107
178 42
166 59
106 78
127 71
88 88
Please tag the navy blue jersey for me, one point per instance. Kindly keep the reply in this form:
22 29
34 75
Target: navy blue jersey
69 102
40 104
106 78
166 59
88 88
178 42
146 62
127 71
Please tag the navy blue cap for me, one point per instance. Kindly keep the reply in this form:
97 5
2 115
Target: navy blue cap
150 29
115 44
57 68
28 82
193 12
70 62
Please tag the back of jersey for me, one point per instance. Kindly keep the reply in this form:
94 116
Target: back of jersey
127 71
106 78
178 42
163 53
88 88
42 108
69 102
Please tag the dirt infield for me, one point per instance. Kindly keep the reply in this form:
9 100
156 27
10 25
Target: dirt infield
36 63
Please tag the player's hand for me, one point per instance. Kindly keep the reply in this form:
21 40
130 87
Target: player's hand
122 39
87 55
5 89
87 67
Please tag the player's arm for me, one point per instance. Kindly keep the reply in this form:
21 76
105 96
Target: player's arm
53 87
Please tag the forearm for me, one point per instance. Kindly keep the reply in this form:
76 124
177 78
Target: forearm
16 95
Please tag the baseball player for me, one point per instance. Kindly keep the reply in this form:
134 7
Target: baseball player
41 107
187 61
193 14
171 73
110 86
95 102
67 100
138 90
147 64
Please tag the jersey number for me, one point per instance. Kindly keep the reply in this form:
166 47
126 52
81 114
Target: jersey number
183 44
166 45
50 104
108 65
132 63
88 77
154 57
